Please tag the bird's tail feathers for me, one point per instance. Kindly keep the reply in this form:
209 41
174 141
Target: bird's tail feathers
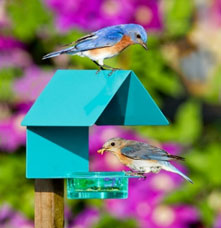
57 53
169 167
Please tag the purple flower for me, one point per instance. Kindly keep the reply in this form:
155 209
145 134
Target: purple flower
15 58
145 204
8 43
5 212
10 218
12 134
29 87
218 221
147 13
97 14
85 219
216 12
172 148
139 203
181 216
12 53
102 13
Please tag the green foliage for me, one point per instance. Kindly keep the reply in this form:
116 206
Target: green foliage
214 93
178 17
28 16
16 189
206 162
186 128
7 75
153 71
109 222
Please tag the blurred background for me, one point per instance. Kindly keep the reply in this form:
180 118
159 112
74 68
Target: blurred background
182 72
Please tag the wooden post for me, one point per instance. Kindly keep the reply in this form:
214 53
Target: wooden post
49 203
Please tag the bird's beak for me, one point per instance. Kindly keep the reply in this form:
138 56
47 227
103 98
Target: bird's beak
101 151
144 45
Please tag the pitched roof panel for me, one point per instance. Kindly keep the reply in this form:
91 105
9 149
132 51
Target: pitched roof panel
74 98
83 98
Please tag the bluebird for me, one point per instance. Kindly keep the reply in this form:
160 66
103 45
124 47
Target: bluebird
105 43
141 157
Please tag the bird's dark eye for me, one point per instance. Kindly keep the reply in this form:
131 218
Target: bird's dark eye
138 36
112 144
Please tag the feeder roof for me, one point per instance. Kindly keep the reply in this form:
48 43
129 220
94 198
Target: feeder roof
84 98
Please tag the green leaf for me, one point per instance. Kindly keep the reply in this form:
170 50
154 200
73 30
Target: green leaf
110 222
206 162
153 71
178 15
27 16
16 189
6 79
186 129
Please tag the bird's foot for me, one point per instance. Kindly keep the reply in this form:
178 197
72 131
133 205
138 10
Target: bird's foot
100 69
141 176
135 174
112 71
130 173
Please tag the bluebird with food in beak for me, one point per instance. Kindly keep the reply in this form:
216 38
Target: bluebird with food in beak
142 157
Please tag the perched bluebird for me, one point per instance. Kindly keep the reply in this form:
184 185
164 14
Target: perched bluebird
105 43
141 157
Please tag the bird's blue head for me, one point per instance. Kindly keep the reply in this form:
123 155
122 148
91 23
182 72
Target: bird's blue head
137 33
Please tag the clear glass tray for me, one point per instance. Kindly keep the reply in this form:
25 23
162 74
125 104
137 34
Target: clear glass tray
98 185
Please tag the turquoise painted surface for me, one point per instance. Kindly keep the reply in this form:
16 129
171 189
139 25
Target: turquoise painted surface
74 98
83 98
97 185
132 105
54 152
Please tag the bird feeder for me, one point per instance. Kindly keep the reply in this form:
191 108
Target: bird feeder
59 120
98 185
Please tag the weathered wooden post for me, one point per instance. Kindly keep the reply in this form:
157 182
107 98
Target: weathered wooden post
57 136
49 203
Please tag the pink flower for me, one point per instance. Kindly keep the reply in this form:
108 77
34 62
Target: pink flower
12 53
86 218
11 218
172 148
218 221
215 12
147 13
102 13
15 58
12 134
29 87
178 216
7 43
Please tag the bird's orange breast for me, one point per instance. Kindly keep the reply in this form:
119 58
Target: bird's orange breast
113 50
123 159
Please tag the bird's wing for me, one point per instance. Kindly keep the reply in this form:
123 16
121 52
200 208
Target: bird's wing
83 38
142 151
102 38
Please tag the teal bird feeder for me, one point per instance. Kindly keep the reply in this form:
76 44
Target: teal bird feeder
58 127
